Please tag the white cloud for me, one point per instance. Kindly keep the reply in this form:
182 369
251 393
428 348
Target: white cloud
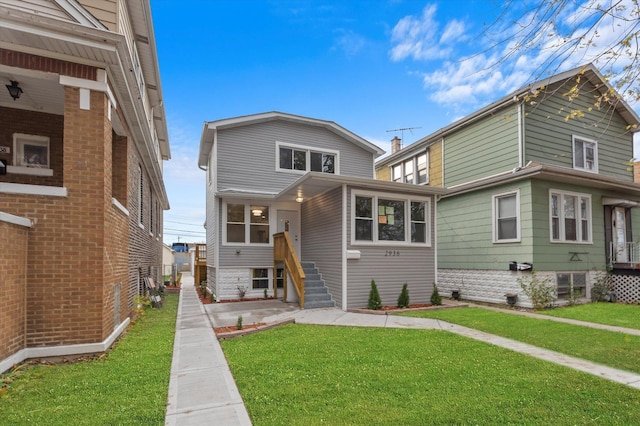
454 31
417 37
349 42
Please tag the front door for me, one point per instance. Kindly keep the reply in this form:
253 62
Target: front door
288 220
619 223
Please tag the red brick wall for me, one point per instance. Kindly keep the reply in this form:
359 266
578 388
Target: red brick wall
33 123
34 62
13 288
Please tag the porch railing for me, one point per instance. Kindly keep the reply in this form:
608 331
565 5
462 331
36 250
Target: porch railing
201 254
625 253
285 253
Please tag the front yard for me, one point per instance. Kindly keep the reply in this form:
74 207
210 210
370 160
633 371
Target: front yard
300 374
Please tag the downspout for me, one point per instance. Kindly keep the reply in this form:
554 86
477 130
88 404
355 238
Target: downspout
344 247
520 133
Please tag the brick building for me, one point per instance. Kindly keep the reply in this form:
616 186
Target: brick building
83 137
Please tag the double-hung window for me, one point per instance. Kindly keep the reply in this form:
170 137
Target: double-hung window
247 223
387 219
585 154
506 217
412 170
570 215
304 159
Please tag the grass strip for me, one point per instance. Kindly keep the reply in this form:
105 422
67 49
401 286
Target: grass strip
617 350
308 375
128 386
618 314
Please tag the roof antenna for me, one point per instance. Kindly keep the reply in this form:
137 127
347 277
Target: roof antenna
395 148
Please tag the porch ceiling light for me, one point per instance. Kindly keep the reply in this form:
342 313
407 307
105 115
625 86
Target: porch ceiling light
256 212
299 199
14 90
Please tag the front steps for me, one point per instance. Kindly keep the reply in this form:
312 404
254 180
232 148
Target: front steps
315 292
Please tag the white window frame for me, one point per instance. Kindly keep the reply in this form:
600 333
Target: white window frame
140 186
494 216
585 141
561 219
308 150
269 279
404 172
407 219
247 223
20 140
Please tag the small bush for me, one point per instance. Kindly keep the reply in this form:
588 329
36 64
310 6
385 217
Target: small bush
436 300
242 291
239 322
403 299
374 297
541 293
601 288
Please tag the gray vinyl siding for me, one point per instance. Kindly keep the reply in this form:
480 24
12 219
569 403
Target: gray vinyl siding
247 154
548 137
484 148
250 256
414 265
322 239
465 231
556 256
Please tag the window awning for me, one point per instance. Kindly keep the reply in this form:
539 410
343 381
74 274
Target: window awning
619 202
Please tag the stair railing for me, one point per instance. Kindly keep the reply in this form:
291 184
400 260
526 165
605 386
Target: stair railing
285 252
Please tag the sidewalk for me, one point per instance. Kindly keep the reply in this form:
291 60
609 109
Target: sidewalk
203 391
201 388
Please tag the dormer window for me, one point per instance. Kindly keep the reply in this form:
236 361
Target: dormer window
412 170
585 154
305 159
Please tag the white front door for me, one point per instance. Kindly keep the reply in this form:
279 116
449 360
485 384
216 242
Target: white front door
620 235
288 220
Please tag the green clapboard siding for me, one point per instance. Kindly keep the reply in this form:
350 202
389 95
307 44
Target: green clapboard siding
548 137
465 231
550 256
482 149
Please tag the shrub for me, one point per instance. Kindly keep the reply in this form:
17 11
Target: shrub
541 293
601 288
436 300
242 291
403 299
374 297
239 322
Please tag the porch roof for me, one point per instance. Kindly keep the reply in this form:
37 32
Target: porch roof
552 173
313 184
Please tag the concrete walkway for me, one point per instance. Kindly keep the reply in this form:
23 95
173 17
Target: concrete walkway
202 389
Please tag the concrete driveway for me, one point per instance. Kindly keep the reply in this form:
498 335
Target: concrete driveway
226 314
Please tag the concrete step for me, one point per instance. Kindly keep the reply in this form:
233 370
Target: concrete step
319 304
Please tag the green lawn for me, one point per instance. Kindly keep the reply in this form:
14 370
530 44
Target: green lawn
617 314
307 375
128 387
616 350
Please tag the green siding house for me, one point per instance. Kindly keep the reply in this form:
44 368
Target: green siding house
540 178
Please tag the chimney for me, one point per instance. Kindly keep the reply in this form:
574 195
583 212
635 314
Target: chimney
396 144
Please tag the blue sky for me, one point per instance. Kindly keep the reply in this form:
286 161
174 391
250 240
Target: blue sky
369 65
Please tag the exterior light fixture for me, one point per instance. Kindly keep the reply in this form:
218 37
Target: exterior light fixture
256 212
299 199
14 90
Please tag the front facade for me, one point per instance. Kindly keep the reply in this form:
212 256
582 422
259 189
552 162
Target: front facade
274 172
81 192
540 181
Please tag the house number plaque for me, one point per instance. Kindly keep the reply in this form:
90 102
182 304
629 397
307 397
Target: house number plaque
392 253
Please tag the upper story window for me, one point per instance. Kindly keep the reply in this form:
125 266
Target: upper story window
570 217
247 223
140 195
412 170
386 219
585 154
305 159
506 217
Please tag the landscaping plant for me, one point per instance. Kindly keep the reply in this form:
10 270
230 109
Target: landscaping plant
403 299
541 293
374 298
239 322
436 300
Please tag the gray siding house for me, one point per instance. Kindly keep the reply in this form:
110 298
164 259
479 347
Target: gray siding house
273 173
539 177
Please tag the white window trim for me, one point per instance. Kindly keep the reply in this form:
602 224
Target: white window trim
407 219
140 186
561 229
22 139
494 217
307 149
413 157
269 279
247 224
595 153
